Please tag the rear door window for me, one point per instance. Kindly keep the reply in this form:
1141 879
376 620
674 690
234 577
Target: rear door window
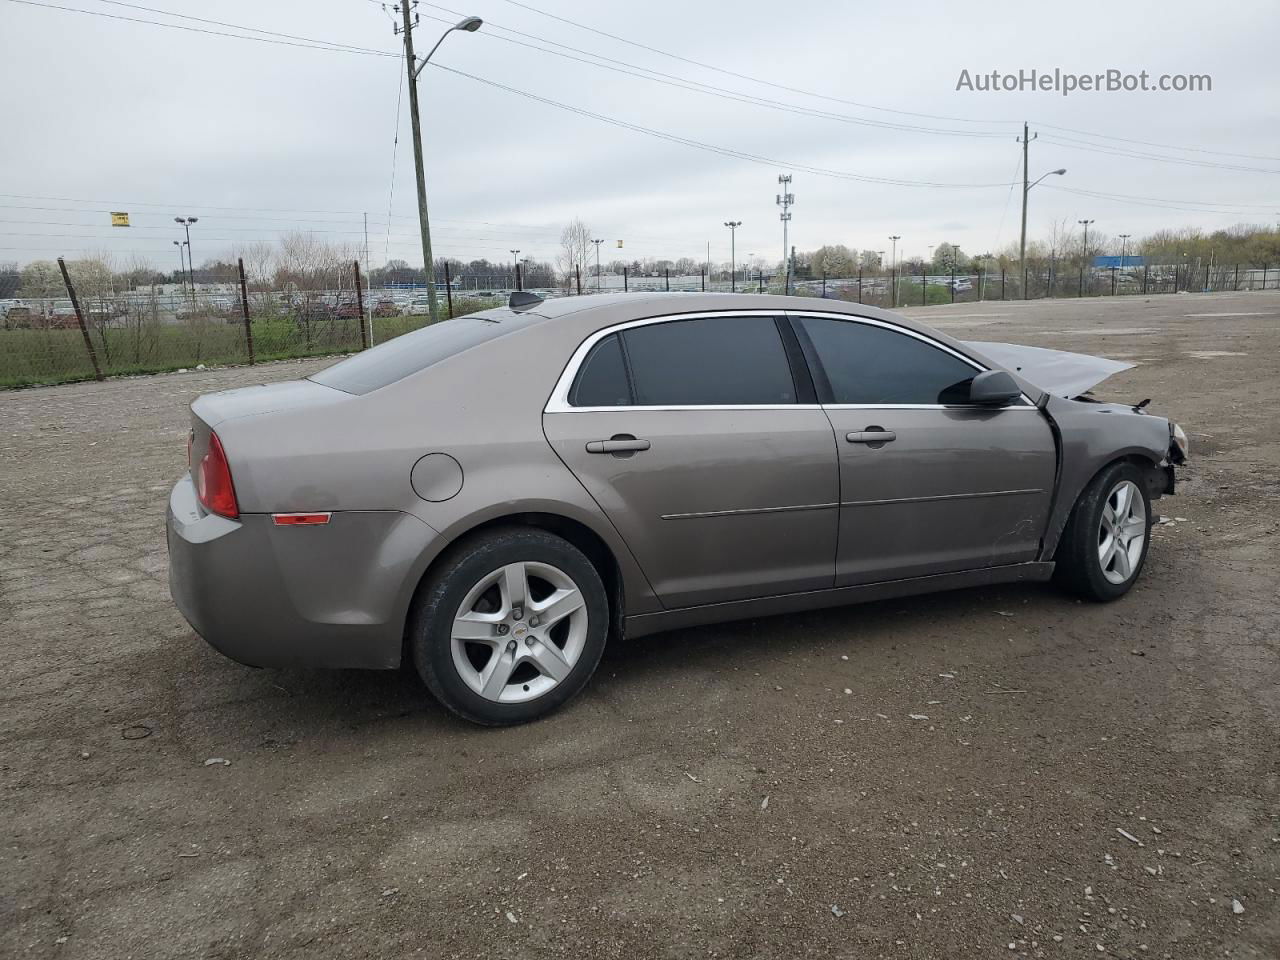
709 361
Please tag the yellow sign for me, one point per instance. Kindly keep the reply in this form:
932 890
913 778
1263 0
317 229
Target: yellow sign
619 244
119 219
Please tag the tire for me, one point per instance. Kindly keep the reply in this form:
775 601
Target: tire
465 631
1093 561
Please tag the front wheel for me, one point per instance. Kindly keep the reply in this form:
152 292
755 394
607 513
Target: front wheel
510 627
1105 542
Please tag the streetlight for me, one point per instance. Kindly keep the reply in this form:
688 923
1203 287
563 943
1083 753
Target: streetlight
515 259
597 243
468 25
191 264
182 267
893 260
1026 189
733 226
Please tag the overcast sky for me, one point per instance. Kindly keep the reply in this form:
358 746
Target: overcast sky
255 138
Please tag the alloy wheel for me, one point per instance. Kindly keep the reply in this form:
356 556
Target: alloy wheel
1122 532
519 631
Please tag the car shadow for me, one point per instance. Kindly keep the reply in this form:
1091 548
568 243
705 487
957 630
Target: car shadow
361 700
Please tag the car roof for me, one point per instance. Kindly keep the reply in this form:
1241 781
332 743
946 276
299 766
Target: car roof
597 311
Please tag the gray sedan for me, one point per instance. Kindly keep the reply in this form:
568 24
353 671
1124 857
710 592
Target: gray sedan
494 497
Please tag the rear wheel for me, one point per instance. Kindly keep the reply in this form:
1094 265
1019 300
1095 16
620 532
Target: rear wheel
510 627
1105 542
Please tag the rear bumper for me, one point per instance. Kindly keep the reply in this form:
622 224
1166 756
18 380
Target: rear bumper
299 596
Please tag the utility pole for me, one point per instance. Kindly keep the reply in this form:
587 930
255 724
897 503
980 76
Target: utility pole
428 264
1026 188
733 226
785 200
470 25
597 243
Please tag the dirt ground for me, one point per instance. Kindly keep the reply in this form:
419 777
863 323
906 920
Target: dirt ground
756 789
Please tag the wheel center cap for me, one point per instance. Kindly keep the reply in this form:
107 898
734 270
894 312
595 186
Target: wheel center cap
520 631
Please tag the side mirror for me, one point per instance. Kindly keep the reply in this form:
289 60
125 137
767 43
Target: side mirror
994 388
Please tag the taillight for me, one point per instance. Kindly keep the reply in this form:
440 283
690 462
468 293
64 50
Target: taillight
213 481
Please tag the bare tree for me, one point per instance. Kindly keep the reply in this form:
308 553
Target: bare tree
575 247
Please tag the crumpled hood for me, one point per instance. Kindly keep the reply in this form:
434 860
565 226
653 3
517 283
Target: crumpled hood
1058 372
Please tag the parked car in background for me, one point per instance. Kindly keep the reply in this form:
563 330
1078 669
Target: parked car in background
348 310
386 308
494 497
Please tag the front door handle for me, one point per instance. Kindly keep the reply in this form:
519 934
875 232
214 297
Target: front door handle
617 445
873 435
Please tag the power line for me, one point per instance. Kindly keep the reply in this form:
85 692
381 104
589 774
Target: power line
1158 203
722 151
866 106
743 76
1150 143
311 45
683 83
1072 143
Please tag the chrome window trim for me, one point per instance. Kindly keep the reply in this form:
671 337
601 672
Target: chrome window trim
923 338
559 401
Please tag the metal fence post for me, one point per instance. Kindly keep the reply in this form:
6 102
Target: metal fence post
760 278
1146 271
953 281
1206 278
824 284
244 308
666 273
1113 280
1235 284
1024 282
894 297
859 284
1080 288
1002 281
88 344
626 284
577 273
1264 285
703 274
448 284
924 290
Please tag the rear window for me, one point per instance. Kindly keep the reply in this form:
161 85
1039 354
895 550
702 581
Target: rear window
396 359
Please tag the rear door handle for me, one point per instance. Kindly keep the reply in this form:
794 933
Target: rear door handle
871 436
617 446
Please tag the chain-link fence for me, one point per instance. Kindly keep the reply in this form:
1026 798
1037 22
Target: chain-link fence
47 340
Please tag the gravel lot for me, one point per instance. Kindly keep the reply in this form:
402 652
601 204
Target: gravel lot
757 789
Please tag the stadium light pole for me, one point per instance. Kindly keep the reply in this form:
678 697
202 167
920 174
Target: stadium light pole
733 226
467 25
1124 243
186 223
515 259
1085 224
1026 189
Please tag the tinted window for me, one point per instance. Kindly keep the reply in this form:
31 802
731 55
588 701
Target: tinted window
710 360
602 380
870 364
396 359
